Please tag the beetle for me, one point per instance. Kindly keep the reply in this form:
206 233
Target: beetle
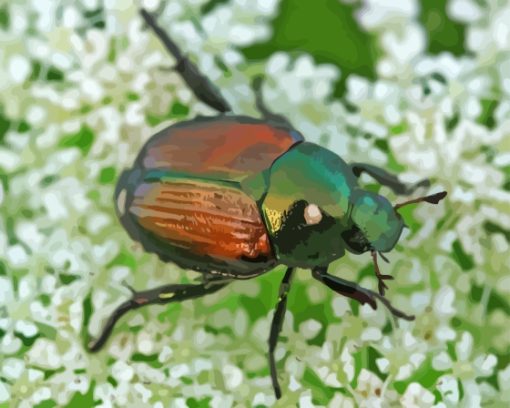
233 196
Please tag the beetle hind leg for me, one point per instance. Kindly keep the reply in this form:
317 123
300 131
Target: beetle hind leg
276 327
160 295
201 86
266 113
387 179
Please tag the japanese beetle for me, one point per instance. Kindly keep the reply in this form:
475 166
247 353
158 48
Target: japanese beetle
232 197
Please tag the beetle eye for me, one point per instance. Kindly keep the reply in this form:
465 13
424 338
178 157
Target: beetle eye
313 214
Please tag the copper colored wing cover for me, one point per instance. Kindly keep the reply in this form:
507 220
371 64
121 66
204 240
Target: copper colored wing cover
225 148
217 221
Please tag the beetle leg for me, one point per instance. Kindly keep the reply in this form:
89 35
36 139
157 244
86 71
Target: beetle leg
128 287
356 292
201 86
160 295
262 107
213 280
276 327
380 277
387 179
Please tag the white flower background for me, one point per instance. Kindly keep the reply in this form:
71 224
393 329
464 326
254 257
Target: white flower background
83 84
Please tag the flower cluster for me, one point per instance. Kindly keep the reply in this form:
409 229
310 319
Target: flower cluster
83 85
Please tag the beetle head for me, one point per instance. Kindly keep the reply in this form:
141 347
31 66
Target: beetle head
377 225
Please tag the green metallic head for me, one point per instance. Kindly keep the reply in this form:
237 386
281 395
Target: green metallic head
376 224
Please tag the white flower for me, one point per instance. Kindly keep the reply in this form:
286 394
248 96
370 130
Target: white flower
64 142
416 396
454 84
464 10
335 365
433 316
449 389
371 392
310 328
378 13
429 150
402 355
233 376
44 354
4 392
122 372
401 38
504 385
465 368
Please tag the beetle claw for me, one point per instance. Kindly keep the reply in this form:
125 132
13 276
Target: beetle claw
381 278
382 285
131 289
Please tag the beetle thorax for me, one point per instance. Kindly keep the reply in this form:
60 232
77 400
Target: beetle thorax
306 204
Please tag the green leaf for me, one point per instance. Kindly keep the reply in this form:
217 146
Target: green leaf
4 126
46 330
51 73
151 359
325 29
67 279
464 260
83 400
4 17
321 392
425 375
97 16
176 111
444 33
87 313
49 403
83 139
107 175
202 403
124 258
486 117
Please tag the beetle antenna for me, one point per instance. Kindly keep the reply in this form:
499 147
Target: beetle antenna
433 199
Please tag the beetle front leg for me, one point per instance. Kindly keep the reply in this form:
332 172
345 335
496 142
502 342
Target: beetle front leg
199 84
276 327
387 179
356 292
160 295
